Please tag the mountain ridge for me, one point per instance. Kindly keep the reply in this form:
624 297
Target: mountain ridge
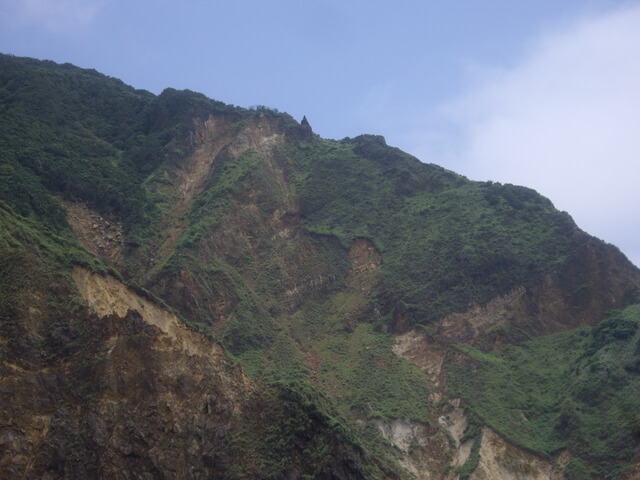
333 266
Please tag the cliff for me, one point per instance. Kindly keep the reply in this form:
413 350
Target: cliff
196 290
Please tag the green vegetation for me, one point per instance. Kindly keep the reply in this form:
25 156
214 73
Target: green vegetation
68 128
473 431
307 425
465 471
451 242
85 136
577 390
227 180
262 256
367 379
32 256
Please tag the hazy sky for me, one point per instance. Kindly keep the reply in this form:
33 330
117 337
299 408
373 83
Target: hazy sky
541 93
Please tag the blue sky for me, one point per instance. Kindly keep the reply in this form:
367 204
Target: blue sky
539 93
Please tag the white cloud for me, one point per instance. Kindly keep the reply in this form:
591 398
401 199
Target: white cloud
55 16
565 121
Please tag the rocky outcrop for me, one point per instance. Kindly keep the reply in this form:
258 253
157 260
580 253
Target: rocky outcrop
308 259
364 256
424 351
121 399
596 279
300 132
499 459
100 235
107 296
426 449
125 390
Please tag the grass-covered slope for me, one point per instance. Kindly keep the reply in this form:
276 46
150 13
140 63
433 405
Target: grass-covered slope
446 241
577 390
87 137
66 129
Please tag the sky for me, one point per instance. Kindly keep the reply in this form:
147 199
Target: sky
540 93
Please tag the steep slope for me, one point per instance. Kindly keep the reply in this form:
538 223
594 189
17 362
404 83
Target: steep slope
344 276
124 389
574 389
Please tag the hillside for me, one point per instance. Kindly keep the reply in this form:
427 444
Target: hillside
195 290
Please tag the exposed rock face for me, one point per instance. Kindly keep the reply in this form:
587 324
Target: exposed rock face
302 131
209 137
153 411
149 397
499 459
454 422
124 399
424 351
596 279
328 269
137 394
426 449
262 230
579 292
107 296
364 256
101 236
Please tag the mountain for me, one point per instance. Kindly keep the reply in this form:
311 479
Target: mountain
196 290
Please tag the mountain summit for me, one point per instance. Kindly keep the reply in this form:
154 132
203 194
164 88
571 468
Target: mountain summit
195 290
